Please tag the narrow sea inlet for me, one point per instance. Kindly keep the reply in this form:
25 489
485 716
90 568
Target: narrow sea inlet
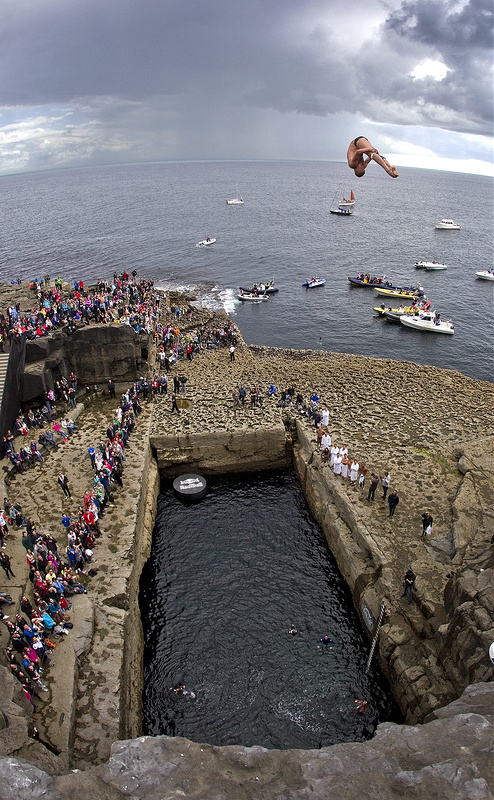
227 578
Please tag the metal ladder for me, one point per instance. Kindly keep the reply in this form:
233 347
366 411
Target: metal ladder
374 641
4 362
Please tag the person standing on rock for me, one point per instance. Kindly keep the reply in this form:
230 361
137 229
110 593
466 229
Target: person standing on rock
111 388
393 501
232 352
64 483
363 473
385 484
408 584
427 520
354 467
337 464
373 486
5 564
174 404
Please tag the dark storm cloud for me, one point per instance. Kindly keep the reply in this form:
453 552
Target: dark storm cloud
192 62
443 25
462 38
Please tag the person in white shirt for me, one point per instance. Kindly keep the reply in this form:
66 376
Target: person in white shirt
325 441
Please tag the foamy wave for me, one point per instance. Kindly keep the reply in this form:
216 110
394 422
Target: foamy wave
208 296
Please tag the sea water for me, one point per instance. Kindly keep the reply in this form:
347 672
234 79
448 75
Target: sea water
89 223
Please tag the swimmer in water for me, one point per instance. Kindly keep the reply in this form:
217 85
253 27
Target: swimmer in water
361 705
326 640
180 689
293 631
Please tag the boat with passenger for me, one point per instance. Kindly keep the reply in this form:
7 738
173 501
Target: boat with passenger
313 282
430 265
368 282
206 242
485 274
340 211
408 293
430 322
447 224
251 297
265 288
415 308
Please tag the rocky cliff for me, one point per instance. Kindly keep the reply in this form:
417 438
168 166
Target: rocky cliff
93 353
448 758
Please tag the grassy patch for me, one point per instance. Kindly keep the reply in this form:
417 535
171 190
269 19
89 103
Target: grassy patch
112 548
436 458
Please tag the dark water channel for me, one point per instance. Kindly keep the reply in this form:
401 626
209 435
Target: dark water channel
226 580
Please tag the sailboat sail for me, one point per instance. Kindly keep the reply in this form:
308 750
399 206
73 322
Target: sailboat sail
341 204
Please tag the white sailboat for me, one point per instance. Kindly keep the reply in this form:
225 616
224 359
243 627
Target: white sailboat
342 205
347 202
235 201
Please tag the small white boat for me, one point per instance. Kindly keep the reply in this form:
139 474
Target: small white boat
430 265
428 322
235 201
486 274
206 242
447 225
246 296
311 284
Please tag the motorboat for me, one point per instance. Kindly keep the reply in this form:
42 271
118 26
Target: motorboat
311 284
251 296
341 211
413 309
235 201
430 321
447 225
430 265
368 282
409 293
265 288
206 242
393 317
486 274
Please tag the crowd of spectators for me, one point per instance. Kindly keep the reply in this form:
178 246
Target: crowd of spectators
124 299
57 570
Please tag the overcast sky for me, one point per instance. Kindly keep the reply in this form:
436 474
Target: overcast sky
99 81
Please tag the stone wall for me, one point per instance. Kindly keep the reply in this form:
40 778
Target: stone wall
222 452
431 652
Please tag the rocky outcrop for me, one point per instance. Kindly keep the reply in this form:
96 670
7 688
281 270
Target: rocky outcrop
218 452
448 758
94 353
